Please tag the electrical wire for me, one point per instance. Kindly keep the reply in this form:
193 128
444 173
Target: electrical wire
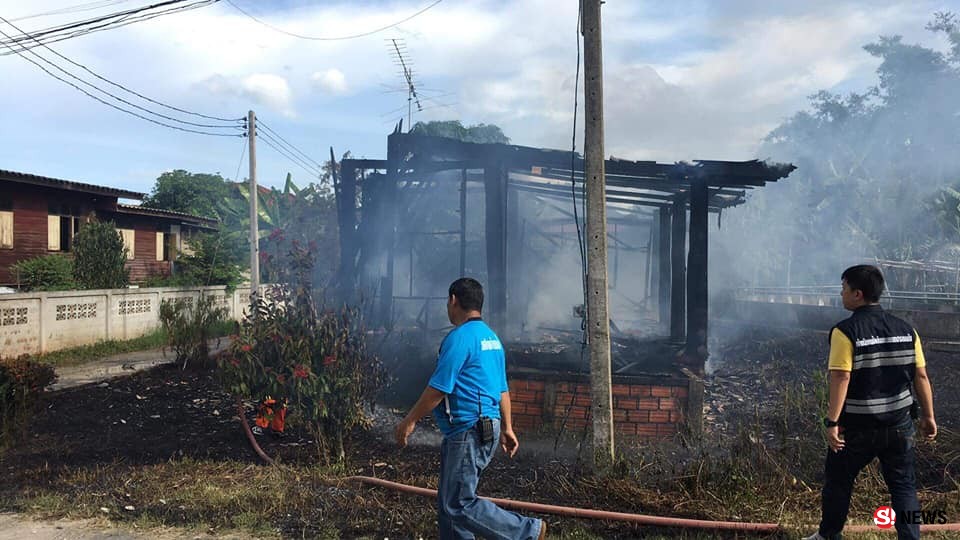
80 28
235 121
243 152
573 184
326 38
88 94
276 145
73 9
288 144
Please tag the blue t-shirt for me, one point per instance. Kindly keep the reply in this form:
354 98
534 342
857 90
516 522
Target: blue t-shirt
472 372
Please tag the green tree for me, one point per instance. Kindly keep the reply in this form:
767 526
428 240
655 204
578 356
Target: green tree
100 257
453 129
192 193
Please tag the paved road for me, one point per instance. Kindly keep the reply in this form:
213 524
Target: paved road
120 365
20 527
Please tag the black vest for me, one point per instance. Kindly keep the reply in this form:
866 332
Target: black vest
884 363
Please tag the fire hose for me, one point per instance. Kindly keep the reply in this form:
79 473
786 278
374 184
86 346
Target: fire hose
572 512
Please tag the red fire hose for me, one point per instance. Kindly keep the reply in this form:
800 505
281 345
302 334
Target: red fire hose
568 511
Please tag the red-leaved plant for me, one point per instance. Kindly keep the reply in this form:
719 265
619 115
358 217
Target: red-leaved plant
289 348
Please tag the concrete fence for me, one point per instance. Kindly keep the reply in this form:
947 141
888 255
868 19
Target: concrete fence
33 323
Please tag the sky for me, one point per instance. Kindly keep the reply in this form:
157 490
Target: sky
682 80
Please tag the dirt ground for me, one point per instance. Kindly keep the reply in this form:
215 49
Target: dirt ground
94 443
163 448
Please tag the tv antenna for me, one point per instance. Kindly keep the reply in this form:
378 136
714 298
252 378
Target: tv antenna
401 59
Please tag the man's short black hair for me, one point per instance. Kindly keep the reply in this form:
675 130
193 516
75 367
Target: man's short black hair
866 278
469 293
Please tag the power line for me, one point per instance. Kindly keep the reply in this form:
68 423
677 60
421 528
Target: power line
122 100
325 38
573 186
124 88
88 94
311 171
124 18
243 152
73 9
288 144
280 147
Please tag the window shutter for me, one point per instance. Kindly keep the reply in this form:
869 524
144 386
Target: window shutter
159 246
6 229
128 236
53 233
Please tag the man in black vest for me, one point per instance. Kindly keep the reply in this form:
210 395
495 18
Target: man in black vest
877 373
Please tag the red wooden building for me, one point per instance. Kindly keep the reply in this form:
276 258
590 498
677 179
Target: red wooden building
40 215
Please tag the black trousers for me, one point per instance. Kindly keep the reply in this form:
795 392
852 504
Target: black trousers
896 449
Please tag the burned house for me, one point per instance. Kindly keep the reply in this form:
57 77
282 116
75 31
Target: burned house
438 208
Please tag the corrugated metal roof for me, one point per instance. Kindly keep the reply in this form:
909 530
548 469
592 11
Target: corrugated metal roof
37 180
157 212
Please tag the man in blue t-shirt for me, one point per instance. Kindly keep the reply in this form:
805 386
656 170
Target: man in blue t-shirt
470 400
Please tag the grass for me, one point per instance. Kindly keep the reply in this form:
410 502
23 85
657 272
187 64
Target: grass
306 501
88 353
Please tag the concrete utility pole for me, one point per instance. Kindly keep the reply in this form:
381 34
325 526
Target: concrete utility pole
254 214
598 319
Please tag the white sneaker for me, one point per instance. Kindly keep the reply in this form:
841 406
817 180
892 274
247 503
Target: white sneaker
814 536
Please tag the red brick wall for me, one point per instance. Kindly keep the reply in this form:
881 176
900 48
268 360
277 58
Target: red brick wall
643 407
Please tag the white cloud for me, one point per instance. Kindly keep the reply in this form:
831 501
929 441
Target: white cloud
264 89
696 80
331 81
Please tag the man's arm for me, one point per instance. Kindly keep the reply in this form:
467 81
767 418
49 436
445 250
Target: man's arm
921 386
429 399
839 381
508 439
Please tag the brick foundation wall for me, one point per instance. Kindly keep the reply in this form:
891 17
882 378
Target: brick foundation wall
643 407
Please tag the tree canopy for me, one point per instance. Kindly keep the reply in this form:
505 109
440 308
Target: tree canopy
191 193
453 129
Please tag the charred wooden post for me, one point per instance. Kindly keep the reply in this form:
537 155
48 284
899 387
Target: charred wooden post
663 266
389 216
513 262
463 222
697 271
678 270
347 226
495 193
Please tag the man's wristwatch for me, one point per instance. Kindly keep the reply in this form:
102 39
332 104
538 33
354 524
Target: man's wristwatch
829 423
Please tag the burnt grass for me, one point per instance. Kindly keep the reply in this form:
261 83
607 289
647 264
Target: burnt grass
164 447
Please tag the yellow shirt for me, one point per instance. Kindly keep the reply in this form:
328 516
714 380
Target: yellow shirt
841 351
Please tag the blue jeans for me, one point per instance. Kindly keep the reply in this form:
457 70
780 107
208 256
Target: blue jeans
895 448
461 514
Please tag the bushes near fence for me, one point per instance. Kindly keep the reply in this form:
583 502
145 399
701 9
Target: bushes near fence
46 273
22 382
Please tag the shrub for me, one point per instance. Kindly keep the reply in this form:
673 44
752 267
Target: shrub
189 327
289 348
100 257
22 383
46 273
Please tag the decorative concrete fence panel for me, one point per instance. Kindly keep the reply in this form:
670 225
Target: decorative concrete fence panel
19 326
69 319
34 323
133 315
